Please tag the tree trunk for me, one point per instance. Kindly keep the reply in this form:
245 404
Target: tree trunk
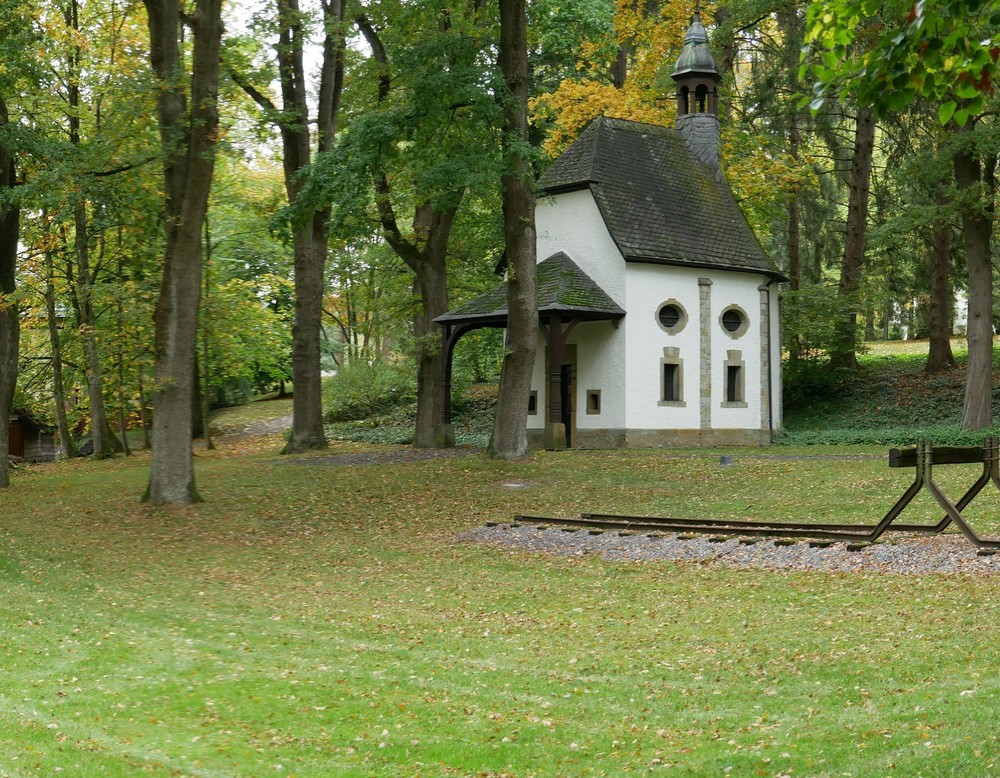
309 232
10 214
790 23
197 421
859 184
307 398
939 355
188 137
432 286
310 235
87 324
977 185
86 320
122 413
147 443
58 394
206 398
425 255
510 438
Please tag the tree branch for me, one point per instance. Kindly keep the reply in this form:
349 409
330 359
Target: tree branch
378 53
254 94
122 169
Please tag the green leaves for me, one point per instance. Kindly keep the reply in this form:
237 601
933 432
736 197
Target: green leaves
946 111
890 54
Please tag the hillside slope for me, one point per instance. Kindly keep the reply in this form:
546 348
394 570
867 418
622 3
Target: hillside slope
890 400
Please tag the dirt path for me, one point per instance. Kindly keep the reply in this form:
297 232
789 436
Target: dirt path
272 427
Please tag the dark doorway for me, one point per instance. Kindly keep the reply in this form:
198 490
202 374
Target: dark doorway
566 386
16 440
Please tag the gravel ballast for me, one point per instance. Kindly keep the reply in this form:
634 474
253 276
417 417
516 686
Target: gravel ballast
901 553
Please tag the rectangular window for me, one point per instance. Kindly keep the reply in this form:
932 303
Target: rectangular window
672 377
593 401
734 384
671 382
734 379
533 403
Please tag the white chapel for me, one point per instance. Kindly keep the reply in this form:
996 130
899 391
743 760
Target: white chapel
658 308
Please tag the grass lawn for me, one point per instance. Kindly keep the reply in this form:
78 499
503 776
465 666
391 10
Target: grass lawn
318 620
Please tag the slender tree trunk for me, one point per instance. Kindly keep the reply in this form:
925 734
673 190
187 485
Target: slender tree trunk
88 335
206 328
510 439
859 184
122 415
197 396
120 391
977 184
790 23
309 233
86 320
188 137
147 443
58 393
939 355
794 244
310 237
120 360
10 214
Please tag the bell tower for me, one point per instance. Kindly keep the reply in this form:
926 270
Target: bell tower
697 78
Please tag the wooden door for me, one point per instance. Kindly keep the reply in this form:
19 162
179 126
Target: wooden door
16 440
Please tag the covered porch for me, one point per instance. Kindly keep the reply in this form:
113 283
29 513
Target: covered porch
566 297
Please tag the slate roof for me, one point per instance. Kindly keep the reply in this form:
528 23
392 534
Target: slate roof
561 287
659 203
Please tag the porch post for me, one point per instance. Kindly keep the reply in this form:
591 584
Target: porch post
444 435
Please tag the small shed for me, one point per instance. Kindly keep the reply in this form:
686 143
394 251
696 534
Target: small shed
31 439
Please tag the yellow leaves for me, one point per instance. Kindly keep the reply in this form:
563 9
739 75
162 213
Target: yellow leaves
651 45
576 103
760 175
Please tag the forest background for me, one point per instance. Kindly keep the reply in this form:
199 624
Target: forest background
358 159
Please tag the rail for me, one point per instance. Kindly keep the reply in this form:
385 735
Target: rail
922 457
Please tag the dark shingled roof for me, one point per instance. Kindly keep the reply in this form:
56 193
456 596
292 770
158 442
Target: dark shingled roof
660 204
562 287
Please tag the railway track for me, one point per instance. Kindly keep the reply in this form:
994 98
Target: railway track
921 457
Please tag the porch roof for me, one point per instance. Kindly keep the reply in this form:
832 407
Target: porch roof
561 288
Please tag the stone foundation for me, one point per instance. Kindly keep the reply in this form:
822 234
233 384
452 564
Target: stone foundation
632 438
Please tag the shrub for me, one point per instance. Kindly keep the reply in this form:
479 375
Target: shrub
361 390
811 318
811 376
886 436
231 392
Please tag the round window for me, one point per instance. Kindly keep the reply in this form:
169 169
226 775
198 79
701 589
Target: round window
732 320
671 317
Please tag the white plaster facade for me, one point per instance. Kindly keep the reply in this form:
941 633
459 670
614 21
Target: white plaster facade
623 360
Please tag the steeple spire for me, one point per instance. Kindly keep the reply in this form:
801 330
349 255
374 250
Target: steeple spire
696 73
697 78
